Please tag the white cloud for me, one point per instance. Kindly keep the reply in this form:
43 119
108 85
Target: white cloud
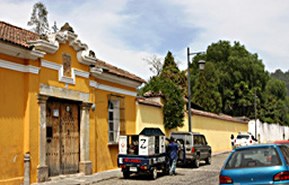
261 25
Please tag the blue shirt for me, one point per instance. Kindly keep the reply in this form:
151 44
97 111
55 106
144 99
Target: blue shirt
173 148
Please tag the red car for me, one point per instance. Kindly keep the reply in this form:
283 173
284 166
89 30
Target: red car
285 142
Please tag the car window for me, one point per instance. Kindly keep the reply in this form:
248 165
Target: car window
203 140
178 136
285 152
253 157
189 140
199 140
196 140
242 136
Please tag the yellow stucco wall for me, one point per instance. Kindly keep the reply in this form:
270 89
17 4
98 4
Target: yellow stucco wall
105 154
13 101
217 131
19 115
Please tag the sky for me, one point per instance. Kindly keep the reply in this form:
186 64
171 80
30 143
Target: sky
125 32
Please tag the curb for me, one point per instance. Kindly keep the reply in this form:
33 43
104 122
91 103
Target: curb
219 153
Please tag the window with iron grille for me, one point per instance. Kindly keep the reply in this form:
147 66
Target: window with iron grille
116 118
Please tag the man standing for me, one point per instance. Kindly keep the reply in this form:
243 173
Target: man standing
173 149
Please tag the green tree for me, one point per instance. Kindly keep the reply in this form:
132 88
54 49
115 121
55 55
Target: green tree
38 19
276 88
276 107
205 91
170 83
278 74
240 73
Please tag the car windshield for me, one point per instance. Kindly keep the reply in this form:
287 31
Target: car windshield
242 137
178 136
253 157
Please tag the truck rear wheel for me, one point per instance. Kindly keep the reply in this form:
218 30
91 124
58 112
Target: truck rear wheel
126 174
209 160
154 174
197 162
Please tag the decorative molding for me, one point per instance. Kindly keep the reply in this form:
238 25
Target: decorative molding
65 79
50 65
20 52
111 89
118 80
61 77
63 93
81 73
93 84
44 46
116 90
84 58
95 71
19 67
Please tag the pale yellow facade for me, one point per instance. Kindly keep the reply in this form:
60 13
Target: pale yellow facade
217 129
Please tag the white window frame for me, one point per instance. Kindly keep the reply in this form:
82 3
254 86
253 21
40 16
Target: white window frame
114 131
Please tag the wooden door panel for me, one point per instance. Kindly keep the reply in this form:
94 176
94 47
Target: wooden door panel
70 138
62 147
53 138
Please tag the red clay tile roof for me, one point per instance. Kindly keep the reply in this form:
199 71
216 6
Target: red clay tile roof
221 116
117 71
16 35
145 101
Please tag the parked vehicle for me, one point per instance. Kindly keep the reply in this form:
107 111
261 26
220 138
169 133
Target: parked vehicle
244 139
256 164
144 153
195 146
284 142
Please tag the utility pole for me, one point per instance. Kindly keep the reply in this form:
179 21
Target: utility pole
201 64
255 107
189 90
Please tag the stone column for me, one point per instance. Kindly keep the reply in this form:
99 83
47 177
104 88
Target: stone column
26 169
42 168
85 165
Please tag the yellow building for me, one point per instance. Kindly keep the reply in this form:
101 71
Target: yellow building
62 109
216 128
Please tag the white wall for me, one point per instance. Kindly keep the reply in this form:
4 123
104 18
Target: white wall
269 132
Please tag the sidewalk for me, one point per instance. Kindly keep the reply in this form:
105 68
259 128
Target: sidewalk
80 179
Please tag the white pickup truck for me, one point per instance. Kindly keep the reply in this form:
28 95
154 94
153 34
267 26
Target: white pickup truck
244 139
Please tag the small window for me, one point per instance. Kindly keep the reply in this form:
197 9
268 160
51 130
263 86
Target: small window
115 118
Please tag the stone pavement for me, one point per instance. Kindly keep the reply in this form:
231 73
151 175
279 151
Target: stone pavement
80 179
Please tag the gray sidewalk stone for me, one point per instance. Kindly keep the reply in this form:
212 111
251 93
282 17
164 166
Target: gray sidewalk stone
80 179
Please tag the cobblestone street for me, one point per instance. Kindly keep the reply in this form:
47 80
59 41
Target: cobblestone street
205 175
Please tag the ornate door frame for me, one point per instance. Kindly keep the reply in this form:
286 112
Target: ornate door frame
46 91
